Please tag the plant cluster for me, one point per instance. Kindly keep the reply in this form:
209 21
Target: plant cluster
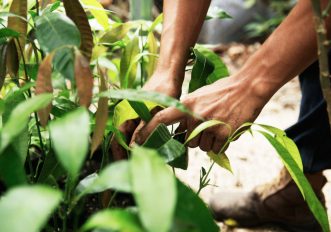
71 73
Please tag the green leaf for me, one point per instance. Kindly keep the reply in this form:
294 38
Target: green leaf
182 161
308 193
142 110
171 151
167 147
20 116
77 14
192 213
98 12
114 220
55 30
115 176
288 143
220 69
12 161
64 61
158 137
202 68
50 168
157 21
222 160
154 189
70 136
123 112
117 32
217 13
8 33
203 126
153 48
146 97
128 58
27 208
12 170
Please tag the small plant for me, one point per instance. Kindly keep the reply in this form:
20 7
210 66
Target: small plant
70 77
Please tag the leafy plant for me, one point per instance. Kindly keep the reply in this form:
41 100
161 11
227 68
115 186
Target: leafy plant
69 80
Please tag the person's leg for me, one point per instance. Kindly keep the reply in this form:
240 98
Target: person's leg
312 131
280 201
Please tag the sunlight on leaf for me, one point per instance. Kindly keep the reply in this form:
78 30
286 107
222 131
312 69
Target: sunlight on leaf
154 189
115 176
301 181
55 30
98 12
70 136
222 160
114 220
20 116
203 126
27 208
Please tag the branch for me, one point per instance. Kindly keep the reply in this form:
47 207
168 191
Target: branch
323 45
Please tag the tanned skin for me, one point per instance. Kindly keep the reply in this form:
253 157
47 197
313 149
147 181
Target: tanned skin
240 97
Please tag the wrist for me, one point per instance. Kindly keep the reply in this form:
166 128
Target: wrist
170 72
259 77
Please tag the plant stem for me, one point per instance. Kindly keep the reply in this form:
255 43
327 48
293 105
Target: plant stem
110 203
37 7
323 45
142 81
203 181
67 201
29 93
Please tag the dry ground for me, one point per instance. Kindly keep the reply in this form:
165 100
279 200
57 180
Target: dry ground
253 160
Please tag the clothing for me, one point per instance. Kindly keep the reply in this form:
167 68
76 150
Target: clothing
312 131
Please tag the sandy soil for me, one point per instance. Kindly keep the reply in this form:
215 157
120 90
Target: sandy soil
253 160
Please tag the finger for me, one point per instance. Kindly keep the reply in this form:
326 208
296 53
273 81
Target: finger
222 135
118 152
192 124
136 132
195 142
167 116
142 124
217 146
206 141
181 128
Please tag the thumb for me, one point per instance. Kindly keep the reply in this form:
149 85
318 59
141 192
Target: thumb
167 116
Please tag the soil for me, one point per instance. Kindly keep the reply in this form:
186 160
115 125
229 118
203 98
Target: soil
253 160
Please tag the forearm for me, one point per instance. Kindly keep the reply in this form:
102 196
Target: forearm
183 20
287 52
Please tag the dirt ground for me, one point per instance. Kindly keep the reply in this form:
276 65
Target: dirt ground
253 160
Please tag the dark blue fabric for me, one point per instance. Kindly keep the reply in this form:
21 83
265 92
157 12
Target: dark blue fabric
312 131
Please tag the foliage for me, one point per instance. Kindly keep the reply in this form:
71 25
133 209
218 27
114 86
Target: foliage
68 81
262 26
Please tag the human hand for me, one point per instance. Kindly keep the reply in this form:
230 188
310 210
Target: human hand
233 101
167 82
